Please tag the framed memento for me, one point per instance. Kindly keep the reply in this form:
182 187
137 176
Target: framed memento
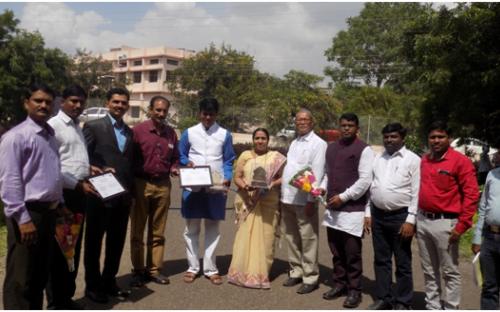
195 176
107 185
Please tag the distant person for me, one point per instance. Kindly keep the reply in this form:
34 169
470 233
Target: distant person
257 213
109 144
393 202
484 165
496 160
207 144
447 202
31 190
299 209
75 169
156 158
348 177
487 240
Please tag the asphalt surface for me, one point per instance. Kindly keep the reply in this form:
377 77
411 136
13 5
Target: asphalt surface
203 295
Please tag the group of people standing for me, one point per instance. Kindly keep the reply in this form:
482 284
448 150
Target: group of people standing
392 196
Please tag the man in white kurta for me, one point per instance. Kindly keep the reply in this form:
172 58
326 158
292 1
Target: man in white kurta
205 144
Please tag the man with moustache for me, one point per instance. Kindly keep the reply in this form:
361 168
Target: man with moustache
299 211
156 156
391 213
109 145
31 190
447 202
205 144
348 177
74 168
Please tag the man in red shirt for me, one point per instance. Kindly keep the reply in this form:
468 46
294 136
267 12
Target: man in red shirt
448 199
156 157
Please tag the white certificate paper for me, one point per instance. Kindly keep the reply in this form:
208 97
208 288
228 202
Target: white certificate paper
107 185
196 176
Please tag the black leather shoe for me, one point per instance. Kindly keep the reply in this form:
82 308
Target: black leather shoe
96 296
307 288
292 281
116 291
400 306
380 305
352 301
138 279
159 279
335 293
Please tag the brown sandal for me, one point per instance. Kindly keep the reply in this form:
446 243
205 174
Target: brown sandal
189 277
215 279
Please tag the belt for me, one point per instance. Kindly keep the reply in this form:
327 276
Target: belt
42 205
153 179
439 215
390 212
494 228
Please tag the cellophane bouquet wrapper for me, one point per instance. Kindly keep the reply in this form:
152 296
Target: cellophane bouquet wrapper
67 232
306 181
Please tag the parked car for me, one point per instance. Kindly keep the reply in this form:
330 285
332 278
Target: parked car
471 147
93 113
287 133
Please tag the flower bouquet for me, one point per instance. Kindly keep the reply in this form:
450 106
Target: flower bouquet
67 232
306 181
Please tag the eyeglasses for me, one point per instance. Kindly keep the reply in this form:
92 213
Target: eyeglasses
303 120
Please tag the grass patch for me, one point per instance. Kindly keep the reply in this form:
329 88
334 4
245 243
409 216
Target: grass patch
3 240
466 240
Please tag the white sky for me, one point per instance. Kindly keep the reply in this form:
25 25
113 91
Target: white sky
281 36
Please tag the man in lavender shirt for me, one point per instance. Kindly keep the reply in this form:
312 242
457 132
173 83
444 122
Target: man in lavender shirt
31 189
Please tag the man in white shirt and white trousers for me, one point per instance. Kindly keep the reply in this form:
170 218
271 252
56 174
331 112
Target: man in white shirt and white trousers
299 210
390 214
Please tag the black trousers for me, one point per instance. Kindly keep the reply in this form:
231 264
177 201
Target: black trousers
109 217
28 266
61 286
387 242
347 260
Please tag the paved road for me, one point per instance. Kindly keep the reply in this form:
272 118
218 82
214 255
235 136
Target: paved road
203 295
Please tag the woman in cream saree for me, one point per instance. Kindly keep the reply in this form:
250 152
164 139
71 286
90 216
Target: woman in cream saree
258 177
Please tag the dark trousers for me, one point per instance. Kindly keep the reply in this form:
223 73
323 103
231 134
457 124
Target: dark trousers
111 218
347 261
387 242
490 268
28 266
61 286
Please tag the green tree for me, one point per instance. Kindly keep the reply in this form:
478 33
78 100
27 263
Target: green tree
222 73
23 60
455 57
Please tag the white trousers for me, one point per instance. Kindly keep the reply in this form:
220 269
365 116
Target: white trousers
192 236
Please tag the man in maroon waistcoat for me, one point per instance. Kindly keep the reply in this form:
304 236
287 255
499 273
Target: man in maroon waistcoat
348 178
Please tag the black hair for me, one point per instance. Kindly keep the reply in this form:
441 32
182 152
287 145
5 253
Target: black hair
395 127
440 126
260 129
74 90
157 98
120 91
39 86
209 105
350 117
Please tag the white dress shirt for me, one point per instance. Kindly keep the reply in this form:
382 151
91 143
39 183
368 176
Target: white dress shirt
351 222
72 149
396 182
307 150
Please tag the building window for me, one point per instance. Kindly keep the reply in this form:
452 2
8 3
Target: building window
137 63
153 76
170 76
172 62
137 77
154 61
135 111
